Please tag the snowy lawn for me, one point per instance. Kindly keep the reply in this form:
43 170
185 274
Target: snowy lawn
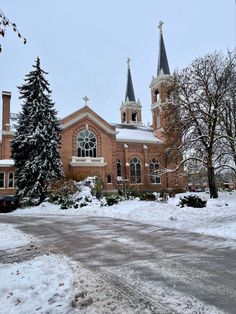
218 218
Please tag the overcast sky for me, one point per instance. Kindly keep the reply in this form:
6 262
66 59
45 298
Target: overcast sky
84 45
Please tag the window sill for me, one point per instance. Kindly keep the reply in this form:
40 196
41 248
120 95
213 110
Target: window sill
87 162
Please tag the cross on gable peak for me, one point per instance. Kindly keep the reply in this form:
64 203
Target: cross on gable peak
86 99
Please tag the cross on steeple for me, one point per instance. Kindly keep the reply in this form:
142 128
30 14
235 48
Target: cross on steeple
160 26
86 99
128 62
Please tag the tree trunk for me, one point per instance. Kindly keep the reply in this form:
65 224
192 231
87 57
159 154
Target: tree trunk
212 182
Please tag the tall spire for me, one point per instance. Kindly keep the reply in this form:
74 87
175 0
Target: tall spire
129 88
163 66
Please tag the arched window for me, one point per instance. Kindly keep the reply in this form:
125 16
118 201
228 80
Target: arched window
86 144
135 170
118 168
109 178
11 180
124 117
2 179
134 116
154 171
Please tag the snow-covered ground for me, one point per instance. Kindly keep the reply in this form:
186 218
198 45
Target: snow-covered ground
57 284
52 284
218 218
12 238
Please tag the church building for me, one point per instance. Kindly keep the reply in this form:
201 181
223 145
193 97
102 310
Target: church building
127 152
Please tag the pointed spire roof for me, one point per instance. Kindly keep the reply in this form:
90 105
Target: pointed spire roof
129 88
163 66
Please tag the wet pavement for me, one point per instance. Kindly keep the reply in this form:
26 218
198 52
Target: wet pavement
168 270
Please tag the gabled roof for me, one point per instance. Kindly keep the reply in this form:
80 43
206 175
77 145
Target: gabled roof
86 112
136 134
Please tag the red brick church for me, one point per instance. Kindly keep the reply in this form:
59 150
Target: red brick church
127 151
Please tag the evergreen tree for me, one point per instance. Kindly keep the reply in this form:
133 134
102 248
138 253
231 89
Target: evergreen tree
36 147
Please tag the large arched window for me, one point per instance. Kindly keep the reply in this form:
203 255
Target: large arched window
86 144
118 168
135 170
154 171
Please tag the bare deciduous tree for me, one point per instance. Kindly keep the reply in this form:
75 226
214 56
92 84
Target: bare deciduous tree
228 118
6 23
200 93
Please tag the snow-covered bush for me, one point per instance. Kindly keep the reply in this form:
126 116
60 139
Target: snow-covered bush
98 187
74 176
192 201
112 199
63 192
29 201
147 196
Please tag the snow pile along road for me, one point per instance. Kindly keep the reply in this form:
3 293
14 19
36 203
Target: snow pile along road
218 218
12 238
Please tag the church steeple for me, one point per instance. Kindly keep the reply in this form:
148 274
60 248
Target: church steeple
163 66
130 108
129 88
161 87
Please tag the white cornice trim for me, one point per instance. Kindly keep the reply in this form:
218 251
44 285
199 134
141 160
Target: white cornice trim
125 140
91 117
164 78
5 93
8 133
84 164
130 104
87 162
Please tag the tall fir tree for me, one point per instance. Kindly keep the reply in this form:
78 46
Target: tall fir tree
36 146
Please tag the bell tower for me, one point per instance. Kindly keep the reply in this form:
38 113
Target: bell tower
160 88
130 109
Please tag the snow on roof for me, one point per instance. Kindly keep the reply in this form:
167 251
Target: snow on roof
6 162
136 134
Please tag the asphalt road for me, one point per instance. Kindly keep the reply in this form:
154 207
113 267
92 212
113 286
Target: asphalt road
163 270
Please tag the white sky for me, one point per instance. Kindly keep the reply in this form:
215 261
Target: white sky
84 45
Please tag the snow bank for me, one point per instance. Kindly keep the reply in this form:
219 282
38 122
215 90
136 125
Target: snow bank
218 218
45 280
12 238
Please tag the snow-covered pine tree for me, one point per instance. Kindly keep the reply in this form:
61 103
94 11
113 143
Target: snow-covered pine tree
36 146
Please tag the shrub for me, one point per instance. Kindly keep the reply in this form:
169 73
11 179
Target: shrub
67 203
147 196
83 204
112 199
163 197
98 186
29 201
62 192
192 201
70 175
